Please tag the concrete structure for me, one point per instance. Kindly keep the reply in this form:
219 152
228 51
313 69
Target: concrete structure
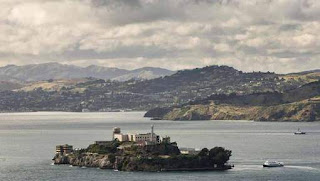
189 151
147 138
121 137
151 137
144 143
116 134
116 130
64 149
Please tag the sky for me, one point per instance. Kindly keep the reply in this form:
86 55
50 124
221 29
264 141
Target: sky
251 35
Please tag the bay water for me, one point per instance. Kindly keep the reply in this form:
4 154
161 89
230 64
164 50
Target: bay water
28 140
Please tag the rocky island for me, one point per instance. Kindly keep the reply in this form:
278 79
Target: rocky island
143 152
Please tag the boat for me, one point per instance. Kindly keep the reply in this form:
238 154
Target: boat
299 132
273 164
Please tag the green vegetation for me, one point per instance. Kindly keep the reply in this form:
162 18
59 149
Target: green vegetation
104 149
215 158
219 155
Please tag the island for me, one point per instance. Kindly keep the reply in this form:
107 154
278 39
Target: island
143 152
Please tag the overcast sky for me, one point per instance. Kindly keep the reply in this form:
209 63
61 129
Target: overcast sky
267 35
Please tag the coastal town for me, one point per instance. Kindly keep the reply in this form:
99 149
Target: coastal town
142 152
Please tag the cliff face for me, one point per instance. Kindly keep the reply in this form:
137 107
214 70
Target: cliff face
306 110
88 160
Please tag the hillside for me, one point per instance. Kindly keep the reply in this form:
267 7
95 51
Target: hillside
144 74
307 110
46 71
183 87
307 76
306 72
7 85
301 104
222 79
52 85
264 98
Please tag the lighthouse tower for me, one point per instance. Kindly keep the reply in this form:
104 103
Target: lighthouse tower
151 138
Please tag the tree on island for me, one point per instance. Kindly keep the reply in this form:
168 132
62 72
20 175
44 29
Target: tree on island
217 155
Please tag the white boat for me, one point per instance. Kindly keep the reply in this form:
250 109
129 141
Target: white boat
273 164
299 132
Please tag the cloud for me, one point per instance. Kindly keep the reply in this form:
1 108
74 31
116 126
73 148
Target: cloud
274 35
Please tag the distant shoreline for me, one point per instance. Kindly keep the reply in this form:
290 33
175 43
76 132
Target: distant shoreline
16 112
142 112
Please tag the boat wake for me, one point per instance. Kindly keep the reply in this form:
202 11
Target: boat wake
247 167
303 167
259 167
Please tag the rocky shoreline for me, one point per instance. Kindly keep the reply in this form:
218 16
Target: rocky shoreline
304 111
151 158
85 160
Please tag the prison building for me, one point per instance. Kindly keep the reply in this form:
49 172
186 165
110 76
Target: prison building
64 149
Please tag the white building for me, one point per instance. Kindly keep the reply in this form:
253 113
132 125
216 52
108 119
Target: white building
147 137
144 137
121 137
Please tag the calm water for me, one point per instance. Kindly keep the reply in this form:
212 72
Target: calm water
27 143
